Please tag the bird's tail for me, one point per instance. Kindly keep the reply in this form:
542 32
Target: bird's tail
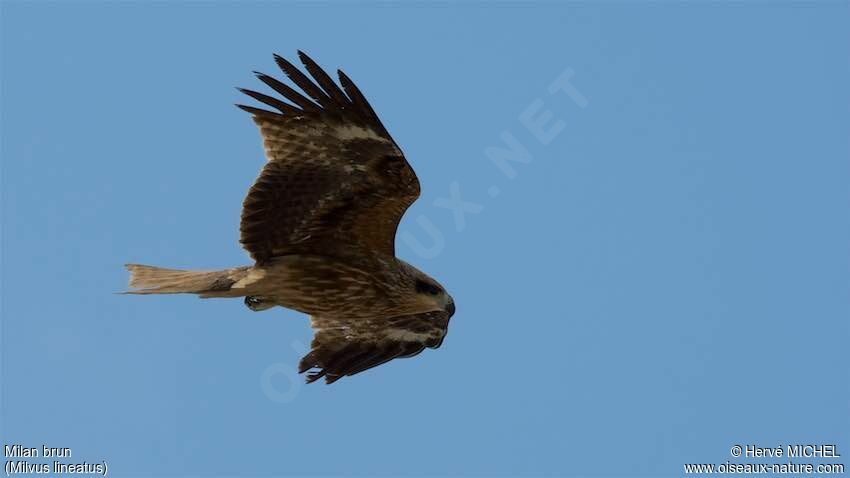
159 280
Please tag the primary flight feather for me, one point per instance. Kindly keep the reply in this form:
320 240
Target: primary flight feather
320 223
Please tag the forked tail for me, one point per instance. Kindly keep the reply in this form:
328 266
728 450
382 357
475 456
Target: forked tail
159 280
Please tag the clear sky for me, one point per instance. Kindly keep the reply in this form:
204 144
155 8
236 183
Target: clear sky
665 274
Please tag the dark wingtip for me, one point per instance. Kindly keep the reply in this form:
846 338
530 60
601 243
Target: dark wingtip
258 112
305 58
281 61
313 376
306 363
262 76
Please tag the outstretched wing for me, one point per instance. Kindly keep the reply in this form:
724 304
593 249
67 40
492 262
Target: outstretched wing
344 347
335 180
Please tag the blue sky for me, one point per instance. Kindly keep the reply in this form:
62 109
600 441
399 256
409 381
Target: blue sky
666 275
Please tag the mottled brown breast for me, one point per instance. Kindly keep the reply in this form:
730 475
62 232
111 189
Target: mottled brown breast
365 287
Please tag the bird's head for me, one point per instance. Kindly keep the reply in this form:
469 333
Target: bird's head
434 294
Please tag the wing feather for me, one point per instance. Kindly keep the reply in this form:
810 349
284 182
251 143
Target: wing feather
259 112
324 81
335 181
301 80
361 105
271 101
345 347
287 92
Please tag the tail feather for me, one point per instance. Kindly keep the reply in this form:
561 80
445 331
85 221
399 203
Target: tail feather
159 280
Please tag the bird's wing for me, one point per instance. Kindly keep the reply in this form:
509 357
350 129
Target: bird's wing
335 180
343 347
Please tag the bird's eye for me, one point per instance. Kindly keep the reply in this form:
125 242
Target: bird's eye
427 288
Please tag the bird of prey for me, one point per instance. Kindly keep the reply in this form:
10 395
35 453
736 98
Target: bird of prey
320 223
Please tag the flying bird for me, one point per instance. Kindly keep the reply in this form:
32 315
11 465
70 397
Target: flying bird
320 224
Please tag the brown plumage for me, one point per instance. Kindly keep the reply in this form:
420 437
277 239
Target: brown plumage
320 224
